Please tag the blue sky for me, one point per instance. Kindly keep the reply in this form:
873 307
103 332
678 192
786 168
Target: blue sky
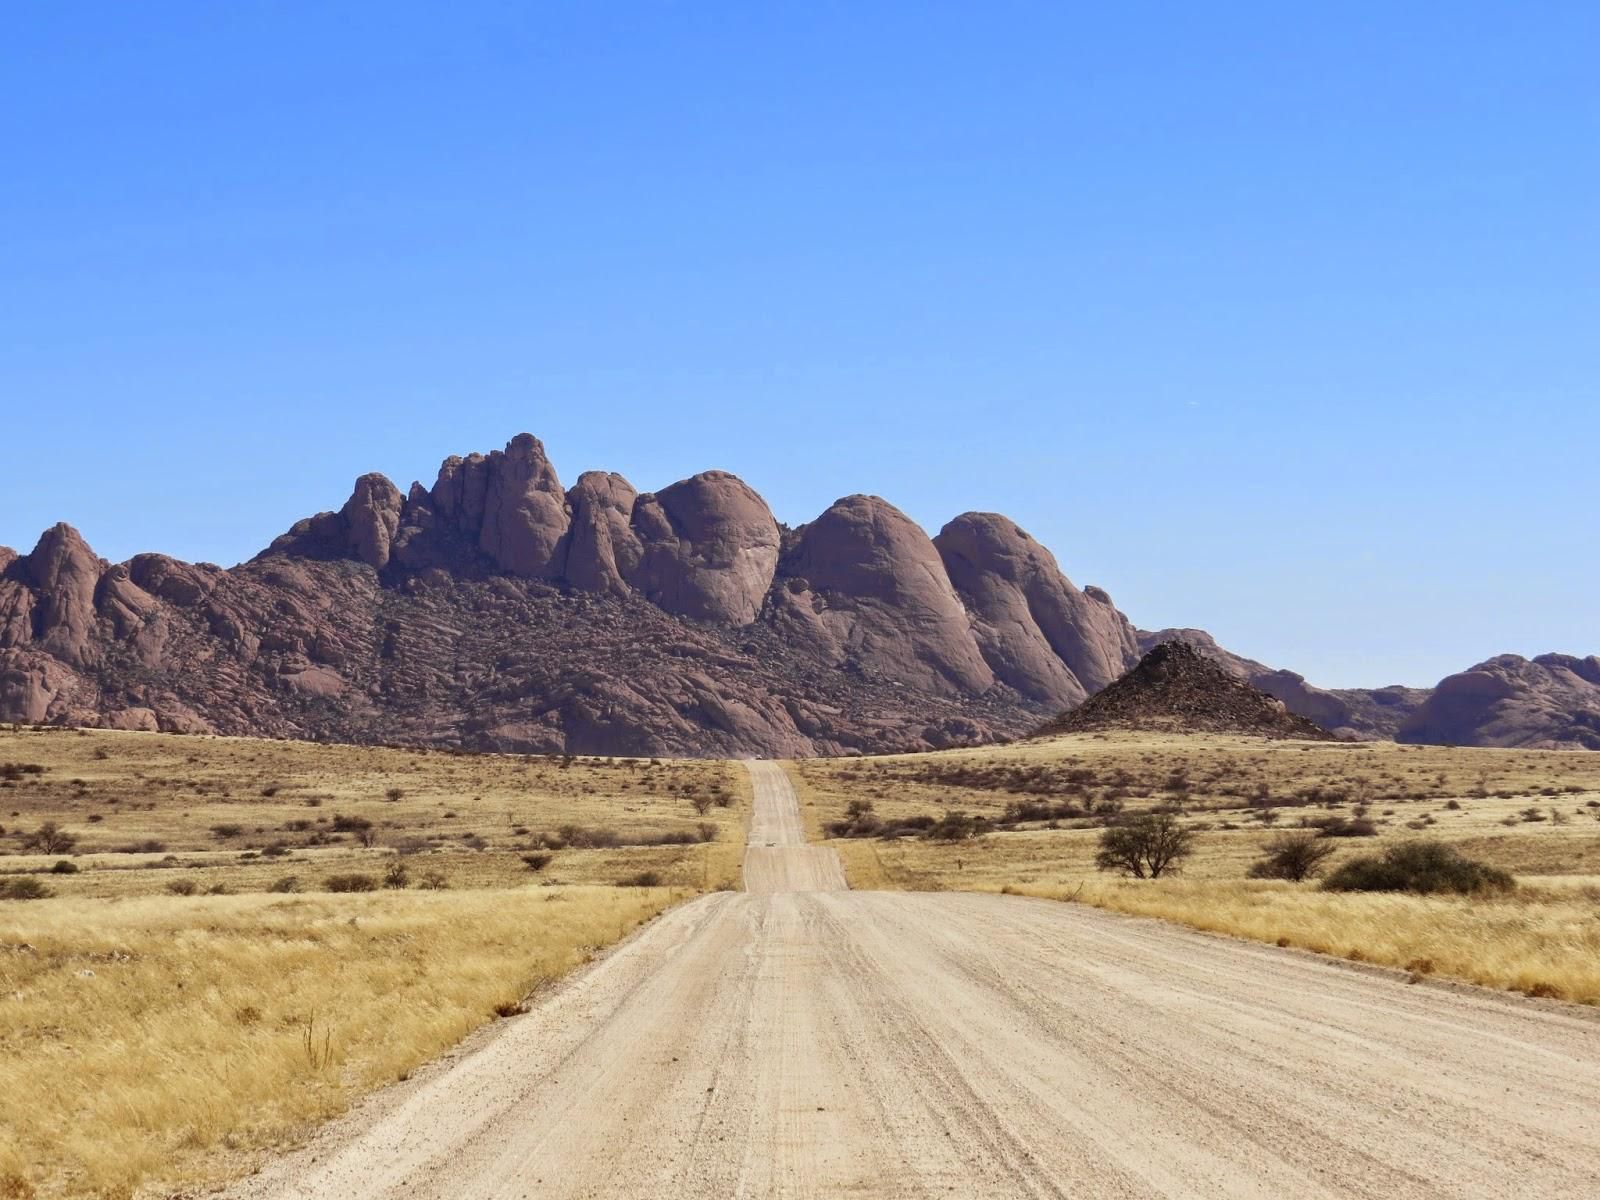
1278 320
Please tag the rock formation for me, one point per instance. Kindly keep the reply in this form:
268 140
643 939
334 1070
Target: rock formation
1551 702
1176 689
496 610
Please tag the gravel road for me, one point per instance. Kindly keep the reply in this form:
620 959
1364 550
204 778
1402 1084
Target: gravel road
802 1040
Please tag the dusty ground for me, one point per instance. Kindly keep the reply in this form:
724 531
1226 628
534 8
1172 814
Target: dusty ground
820 1042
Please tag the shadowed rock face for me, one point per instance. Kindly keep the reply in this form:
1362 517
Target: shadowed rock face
1551 702
1038 633
496 611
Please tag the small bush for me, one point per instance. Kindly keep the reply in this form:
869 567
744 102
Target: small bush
350 883
538 861
1421 867
642 879
1292 856
24 887
289 883
1343 827
433 881
64 867
183 887
226 831
396 876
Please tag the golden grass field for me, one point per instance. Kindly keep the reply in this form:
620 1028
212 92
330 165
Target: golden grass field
151 1039
1536 814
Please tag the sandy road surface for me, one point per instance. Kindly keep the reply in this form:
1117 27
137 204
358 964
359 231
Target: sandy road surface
821 1042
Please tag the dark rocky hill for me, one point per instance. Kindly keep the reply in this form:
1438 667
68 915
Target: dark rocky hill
1363 713
1177 689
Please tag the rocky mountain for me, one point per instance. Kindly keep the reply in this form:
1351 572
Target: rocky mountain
1551 702
499 610
1361 713
1176 688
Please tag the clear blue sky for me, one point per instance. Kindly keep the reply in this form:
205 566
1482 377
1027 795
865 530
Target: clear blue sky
1278 319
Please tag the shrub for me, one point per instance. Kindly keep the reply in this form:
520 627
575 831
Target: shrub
396 875
1421 867
433 881
538 861
64 867
227 831
350 883
955 827
859 821
24 887
50 838
642 879
394 794
1292 856
183 887
1343 827
289 883
1145 847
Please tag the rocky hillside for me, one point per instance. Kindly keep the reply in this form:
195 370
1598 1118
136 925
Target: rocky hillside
1177 689
1551 702
1363 713
499 610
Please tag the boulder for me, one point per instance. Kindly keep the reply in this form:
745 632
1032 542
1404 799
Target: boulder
709 548
1039 633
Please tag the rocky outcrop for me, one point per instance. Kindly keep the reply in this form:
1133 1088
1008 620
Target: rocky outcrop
1038 633
1362 713
1176 689
603 549
880 602
708 549
1551 702
511 503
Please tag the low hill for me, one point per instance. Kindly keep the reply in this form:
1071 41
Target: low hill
1176 688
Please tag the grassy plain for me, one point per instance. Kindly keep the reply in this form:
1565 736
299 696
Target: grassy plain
1534 813
170 1010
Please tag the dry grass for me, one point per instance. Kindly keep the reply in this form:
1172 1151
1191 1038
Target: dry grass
242 814
145 1037
1537 941
1536 814
150 1039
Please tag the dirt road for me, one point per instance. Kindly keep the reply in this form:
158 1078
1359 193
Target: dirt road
802 1040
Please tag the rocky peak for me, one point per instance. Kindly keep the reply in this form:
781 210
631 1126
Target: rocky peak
372 518
880 591
1038 632
1176 688
709 548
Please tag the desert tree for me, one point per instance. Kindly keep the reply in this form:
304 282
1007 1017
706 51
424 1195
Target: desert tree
1293 856
1145 846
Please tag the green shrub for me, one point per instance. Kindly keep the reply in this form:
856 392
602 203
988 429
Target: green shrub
24 887
1421 867
350 883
